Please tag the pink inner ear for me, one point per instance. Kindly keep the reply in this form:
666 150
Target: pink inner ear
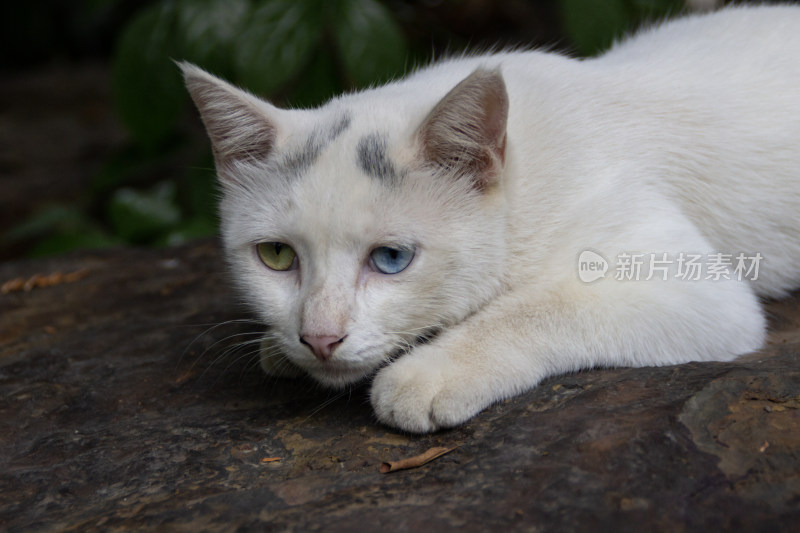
466 131
501 150
238 128
253 143
496 114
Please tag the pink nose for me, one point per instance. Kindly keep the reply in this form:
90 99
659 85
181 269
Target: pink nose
322 345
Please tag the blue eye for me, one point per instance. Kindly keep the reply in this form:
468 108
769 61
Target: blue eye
388 260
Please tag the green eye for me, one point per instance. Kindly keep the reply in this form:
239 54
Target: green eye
276 255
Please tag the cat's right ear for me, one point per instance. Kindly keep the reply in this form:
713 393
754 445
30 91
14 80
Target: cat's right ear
238 123
465 133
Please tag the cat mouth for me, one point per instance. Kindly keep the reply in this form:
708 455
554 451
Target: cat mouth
339 373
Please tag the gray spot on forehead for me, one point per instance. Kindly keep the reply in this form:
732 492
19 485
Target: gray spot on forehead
296 163
372 159
339 127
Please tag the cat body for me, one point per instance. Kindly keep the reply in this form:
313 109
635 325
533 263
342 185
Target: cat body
469 230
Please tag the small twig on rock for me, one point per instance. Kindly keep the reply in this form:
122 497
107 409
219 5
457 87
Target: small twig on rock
417 460
39 281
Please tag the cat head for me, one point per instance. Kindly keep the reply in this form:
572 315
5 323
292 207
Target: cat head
357 229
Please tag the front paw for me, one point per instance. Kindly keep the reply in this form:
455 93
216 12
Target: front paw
416 395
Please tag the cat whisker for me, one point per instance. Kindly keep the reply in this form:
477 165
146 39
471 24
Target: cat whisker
225 354
210 328
224 347
326 403
239 346
409 339
248 355
229 349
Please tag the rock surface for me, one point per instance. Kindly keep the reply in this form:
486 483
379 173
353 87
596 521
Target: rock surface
124 406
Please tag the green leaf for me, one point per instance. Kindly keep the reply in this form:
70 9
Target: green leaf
318 83
63 242
98 5
208 30
194 228
277 43
371 43
50 219
657 9
139 216
199 188
592 25
148 90
58 229
126 166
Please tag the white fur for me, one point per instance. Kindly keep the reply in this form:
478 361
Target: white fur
684 138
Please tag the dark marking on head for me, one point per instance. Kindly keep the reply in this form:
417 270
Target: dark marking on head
294 164
372 159
339 127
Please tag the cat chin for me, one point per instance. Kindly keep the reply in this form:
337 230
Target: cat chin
331 375
338 377
335 374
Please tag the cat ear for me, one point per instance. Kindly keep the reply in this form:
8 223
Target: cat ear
237 122
466 132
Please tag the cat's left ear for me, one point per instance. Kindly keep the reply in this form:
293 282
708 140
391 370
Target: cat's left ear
239 124
465 134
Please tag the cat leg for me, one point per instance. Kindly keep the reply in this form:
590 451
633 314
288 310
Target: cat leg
519 339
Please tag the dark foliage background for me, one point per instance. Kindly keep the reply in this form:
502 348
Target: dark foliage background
146 177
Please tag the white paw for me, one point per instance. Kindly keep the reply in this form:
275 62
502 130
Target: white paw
417 395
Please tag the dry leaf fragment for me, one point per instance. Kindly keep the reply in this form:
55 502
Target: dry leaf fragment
40 280
12 285
270 459
37 280
417 460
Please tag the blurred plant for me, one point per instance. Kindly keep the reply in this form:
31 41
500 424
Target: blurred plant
160 189
300 52
593 25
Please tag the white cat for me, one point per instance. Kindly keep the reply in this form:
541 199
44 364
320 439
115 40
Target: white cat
478 226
